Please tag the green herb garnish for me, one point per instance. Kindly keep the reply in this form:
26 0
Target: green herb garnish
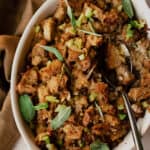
92 96
122 116
52 99
60 108
89 13
41 106
137 25
97 145
128 8
91 33
71 15
79 21
61 117
54 51
26 108
130 31
133 25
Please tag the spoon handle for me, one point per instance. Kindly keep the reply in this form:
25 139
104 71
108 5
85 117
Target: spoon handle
134 129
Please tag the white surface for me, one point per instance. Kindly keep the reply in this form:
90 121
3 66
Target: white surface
22 48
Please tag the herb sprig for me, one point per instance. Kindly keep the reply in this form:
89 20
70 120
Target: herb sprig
128 8
91 33
54 51
26 108
61 117
97 145
71 15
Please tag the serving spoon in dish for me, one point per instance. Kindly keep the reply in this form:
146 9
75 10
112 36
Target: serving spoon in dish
134 129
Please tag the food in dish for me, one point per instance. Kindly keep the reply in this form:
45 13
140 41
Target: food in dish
64 96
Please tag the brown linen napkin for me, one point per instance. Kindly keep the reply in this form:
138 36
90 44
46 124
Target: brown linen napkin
14 15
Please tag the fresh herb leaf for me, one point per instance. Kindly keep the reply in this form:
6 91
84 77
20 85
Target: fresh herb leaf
71 15
60 108
138 25
128 8
100 111
54 51
79 21
89 13
97 145
91 33
61 117
26 107
52 99
122 116
92 96
41 106
130 32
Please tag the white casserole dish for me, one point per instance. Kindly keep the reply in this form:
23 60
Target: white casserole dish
44 11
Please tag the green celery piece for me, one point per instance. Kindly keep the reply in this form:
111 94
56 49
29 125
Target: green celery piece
130 31
52 99
41 106
122 116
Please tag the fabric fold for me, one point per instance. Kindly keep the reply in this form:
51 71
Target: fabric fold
8 43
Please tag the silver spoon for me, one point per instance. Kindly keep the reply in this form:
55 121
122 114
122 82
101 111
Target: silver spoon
134 129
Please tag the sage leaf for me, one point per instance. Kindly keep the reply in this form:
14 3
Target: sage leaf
26 107
91 33
61 117
128 8
60 108
71 15
54 51
41 106
97 145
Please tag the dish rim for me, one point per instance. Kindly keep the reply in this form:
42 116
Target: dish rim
16 113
